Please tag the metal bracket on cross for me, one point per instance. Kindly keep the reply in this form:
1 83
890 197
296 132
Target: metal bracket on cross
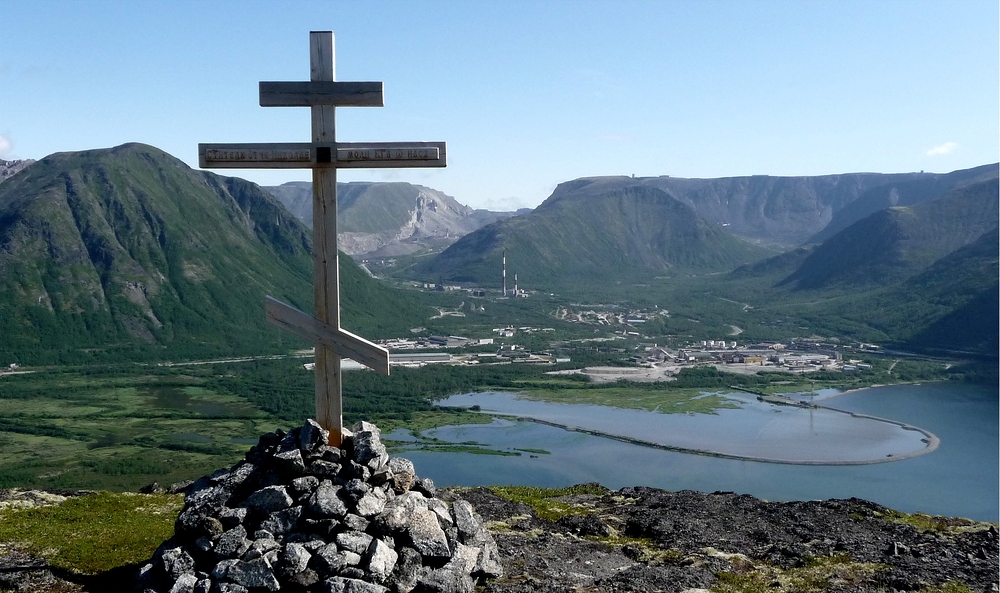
324 155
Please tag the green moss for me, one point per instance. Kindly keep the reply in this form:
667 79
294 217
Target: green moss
653 398
933 523
818 575
94 533
542 500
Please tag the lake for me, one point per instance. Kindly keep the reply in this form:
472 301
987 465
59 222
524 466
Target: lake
959 478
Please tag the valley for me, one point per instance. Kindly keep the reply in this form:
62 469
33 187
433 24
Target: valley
142 355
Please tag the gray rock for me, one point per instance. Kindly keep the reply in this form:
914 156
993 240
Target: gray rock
290 442
303 487
464 559
380 560
312 435
176 562
355 522
403 473
332 454
232 543
325 503
268 500
259 548
231 517
408 570
221 569
256 574
473 532
444 580
203 586
469 525
283 521
185 583
368 448
291 460
355 489
346 585
207 496
425 486
305 579
240 474
372 503
354 541
351 469
396 515
353 572
229 588
294 559
441 510
364 426
427 536
351 558
323 468
263 534
328 560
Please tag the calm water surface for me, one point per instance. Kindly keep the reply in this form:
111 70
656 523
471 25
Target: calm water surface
754 430
959 478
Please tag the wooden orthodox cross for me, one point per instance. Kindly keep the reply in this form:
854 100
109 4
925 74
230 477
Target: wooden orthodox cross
324 155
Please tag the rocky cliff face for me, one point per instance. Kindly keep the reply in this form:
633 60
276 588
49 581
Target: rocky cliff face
390 219
10 168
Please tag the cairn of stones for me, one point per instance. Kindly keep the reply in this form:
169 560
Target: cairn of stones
298 515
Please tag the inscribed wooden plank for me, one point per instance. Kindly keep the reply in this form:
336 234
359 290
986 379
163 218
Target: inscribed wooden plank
303 155
379 155
291 155
321 92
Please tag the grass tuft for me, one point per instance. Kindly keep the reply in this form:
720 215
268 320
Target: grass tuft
542 499
94 533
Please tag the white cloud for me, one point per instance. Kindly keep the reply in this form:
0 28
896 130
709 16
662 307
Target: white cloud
5 146
943 149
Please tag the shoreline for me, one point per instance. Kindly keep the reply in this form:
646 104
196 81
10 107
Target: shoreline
932 442
857 389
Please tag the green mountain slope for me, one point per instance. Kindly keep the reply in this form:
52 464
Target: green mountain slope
902 192
897 242
126 252
587 238
952 305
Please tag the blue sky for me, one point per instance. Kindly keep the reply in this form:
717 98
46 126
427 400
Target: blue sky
527 94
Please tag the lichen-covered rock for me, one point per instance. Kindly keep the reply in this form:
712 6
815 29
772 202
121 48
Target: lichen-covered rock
299 514
427 536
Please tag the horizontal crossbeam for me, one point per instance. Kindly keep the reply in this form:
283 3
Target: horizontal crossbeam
321 92
340 341
342 155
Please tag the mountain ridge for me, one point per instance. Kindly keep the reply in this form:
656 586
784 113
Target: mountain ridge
600 236
127 250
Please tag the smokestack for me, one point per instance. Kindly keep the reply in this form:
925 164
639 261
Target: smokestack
505 273
515 283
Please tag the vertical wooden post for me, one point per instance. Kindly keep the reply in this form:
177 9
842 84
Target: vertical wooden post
326 262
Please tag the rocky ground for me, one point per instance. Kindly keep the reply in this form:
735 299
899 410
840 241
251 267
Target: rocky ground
647 540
